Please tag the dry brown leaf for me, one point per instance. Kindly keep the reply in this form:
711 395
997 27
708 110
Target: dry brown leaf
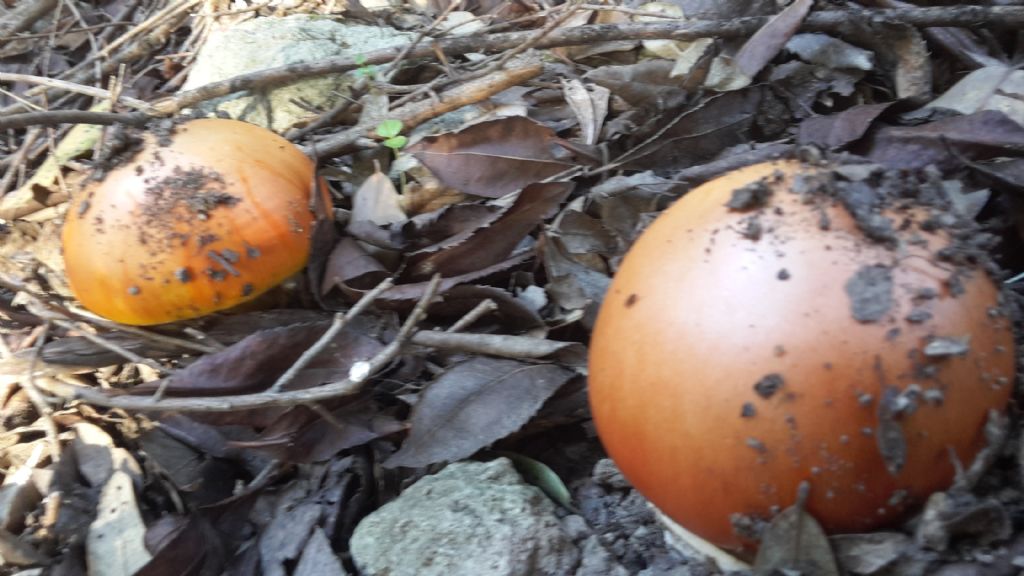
377 202
350 266
405 295
998 87
492 243
590 105
794 541
493 158
115 543
946 142
258 360
696 134
474 404
767 42
837 130
181 546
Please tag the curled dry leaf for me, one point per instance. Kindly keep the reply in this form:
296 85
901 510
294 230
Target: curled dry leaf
115 544
647 83
405 295
181 546
795 542
491 244
474 404
258 360
493 158
945 143
767 42
350 266
837 130
824 50
303 435
590 105
377 201
697 133
511 313
998 87
448 222
807 86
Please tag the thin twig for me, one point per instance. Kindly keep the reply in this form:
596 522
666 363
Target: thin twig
39 401
54 117
393 66
825 21
98 93
94 338
487 305
502 345
340 320
145 38
23 17
630 11
345 387
414 114
18 160
61 313
359 86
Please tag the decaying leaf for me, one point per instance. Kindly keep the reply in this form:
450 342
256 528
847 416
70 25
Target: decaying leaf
491 244
590 104
474 404
115 544
350 266
647 83
697 133
842 128
997 87
868 554
377 201
830 52
493 158
259 360
946 142
304 435
794 542
767 42
318 559
181 545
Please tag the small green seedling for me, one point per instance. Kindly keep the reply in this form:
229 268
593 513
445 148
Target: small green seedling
390 131
367 70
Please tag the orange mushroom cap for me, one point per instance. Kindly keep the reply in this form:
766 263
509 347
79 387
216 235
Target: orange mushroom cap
727 367
214 217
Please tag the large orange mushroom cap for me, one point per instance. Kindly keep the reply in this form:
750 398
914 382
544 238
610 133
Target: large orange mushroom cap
212 218
739 353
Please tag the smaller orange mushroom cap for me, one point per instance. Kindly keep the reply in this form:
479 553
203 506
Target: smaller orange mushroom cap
215 216
741 352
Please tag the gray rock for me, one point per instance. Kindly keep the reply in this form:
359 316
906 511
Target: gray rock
471 518
597 561
263 43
